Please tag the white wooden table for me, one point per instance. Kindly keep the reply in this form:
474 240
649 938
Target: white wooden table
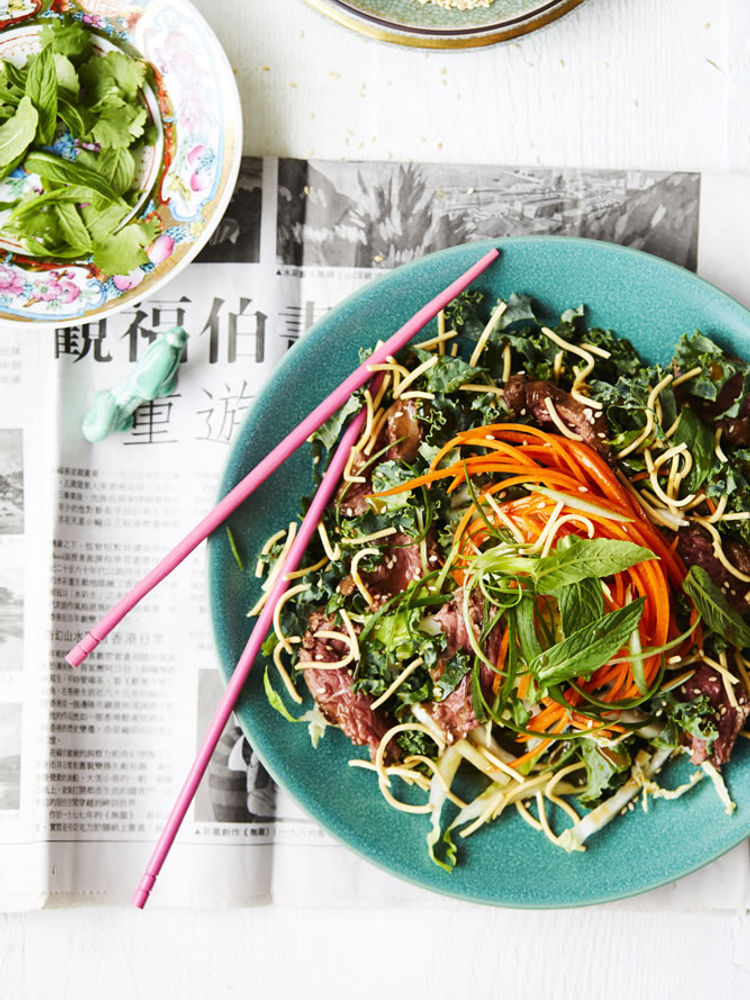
642 83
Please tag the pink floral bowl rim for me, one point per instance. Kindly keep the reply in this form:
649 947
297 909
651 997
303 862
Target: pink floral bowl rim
201 124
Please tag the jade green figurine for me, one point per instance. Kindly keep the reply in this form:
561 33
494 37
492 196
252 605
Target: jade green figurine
153 376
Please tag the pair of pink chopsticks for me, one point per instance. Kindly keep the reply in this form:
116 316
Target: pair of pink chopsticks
219 514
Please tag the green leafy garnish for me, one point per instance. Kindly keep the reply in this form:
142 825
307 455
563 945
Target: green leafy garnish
17 134
714 608
97 99
578 559
588 648
580 603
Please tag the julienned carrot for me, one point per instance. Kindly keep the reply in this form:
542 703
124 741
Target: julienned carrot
520 455
502 653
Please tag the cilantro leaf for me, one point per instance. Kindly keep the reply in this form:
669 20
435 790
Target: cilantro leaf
68 38
118 124
114 72
126 249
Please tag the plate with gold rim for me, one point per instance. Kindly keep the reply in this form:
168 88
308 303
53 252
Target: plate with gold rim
449 24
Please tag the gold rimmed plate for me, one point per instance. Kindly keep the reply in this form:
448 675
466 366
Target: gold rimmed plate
431 24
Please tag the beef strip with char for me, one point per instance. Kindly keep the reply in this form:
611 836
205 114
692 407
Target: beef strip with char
403 432
696 548
523 397
332 689
455 715
736 430
728 719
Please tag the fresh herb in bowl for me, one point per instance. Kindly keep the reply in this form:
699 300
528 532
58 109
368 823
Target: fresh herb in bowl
75 120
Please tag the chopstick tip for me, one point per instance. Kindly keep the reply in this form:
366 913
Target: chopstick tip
140 897
80 651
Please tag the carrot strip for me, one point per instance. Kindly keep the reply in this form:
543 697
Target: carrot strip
502 653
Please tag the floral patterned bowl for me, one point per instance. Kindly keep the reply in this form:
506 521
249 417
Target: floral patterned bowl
187 177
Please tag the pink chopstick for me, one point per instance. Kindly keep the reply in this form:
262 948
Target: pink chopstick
274 459
245 662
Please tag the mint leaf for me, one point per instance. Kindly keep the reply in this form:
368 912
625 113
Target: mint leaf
67 78
79 194
714 608
12 82
580 603
587 557
118 167
589 648
102 222
41 88
525 622
573 560
17 134
54 170
75 118
72 228
699 438
11 89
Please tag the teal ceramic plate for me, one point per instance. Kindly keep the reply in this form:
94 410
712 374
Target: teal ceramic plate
429 24
639 296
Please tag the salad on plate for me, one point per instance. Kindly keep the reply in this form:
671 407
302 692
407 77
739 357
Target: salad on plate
532 591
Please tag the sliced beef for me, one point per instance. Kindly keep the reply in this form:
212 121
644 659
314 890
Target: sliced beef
403 430
695 547
728 720
332 689
353 496
455 715
452 620
523 397
736 429
402 565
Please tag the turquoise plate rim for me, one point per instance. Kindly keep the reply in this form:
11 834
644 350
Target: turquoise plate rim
506 864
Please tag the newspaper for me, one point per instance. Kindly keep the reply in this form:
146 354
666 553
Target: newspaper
91 759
